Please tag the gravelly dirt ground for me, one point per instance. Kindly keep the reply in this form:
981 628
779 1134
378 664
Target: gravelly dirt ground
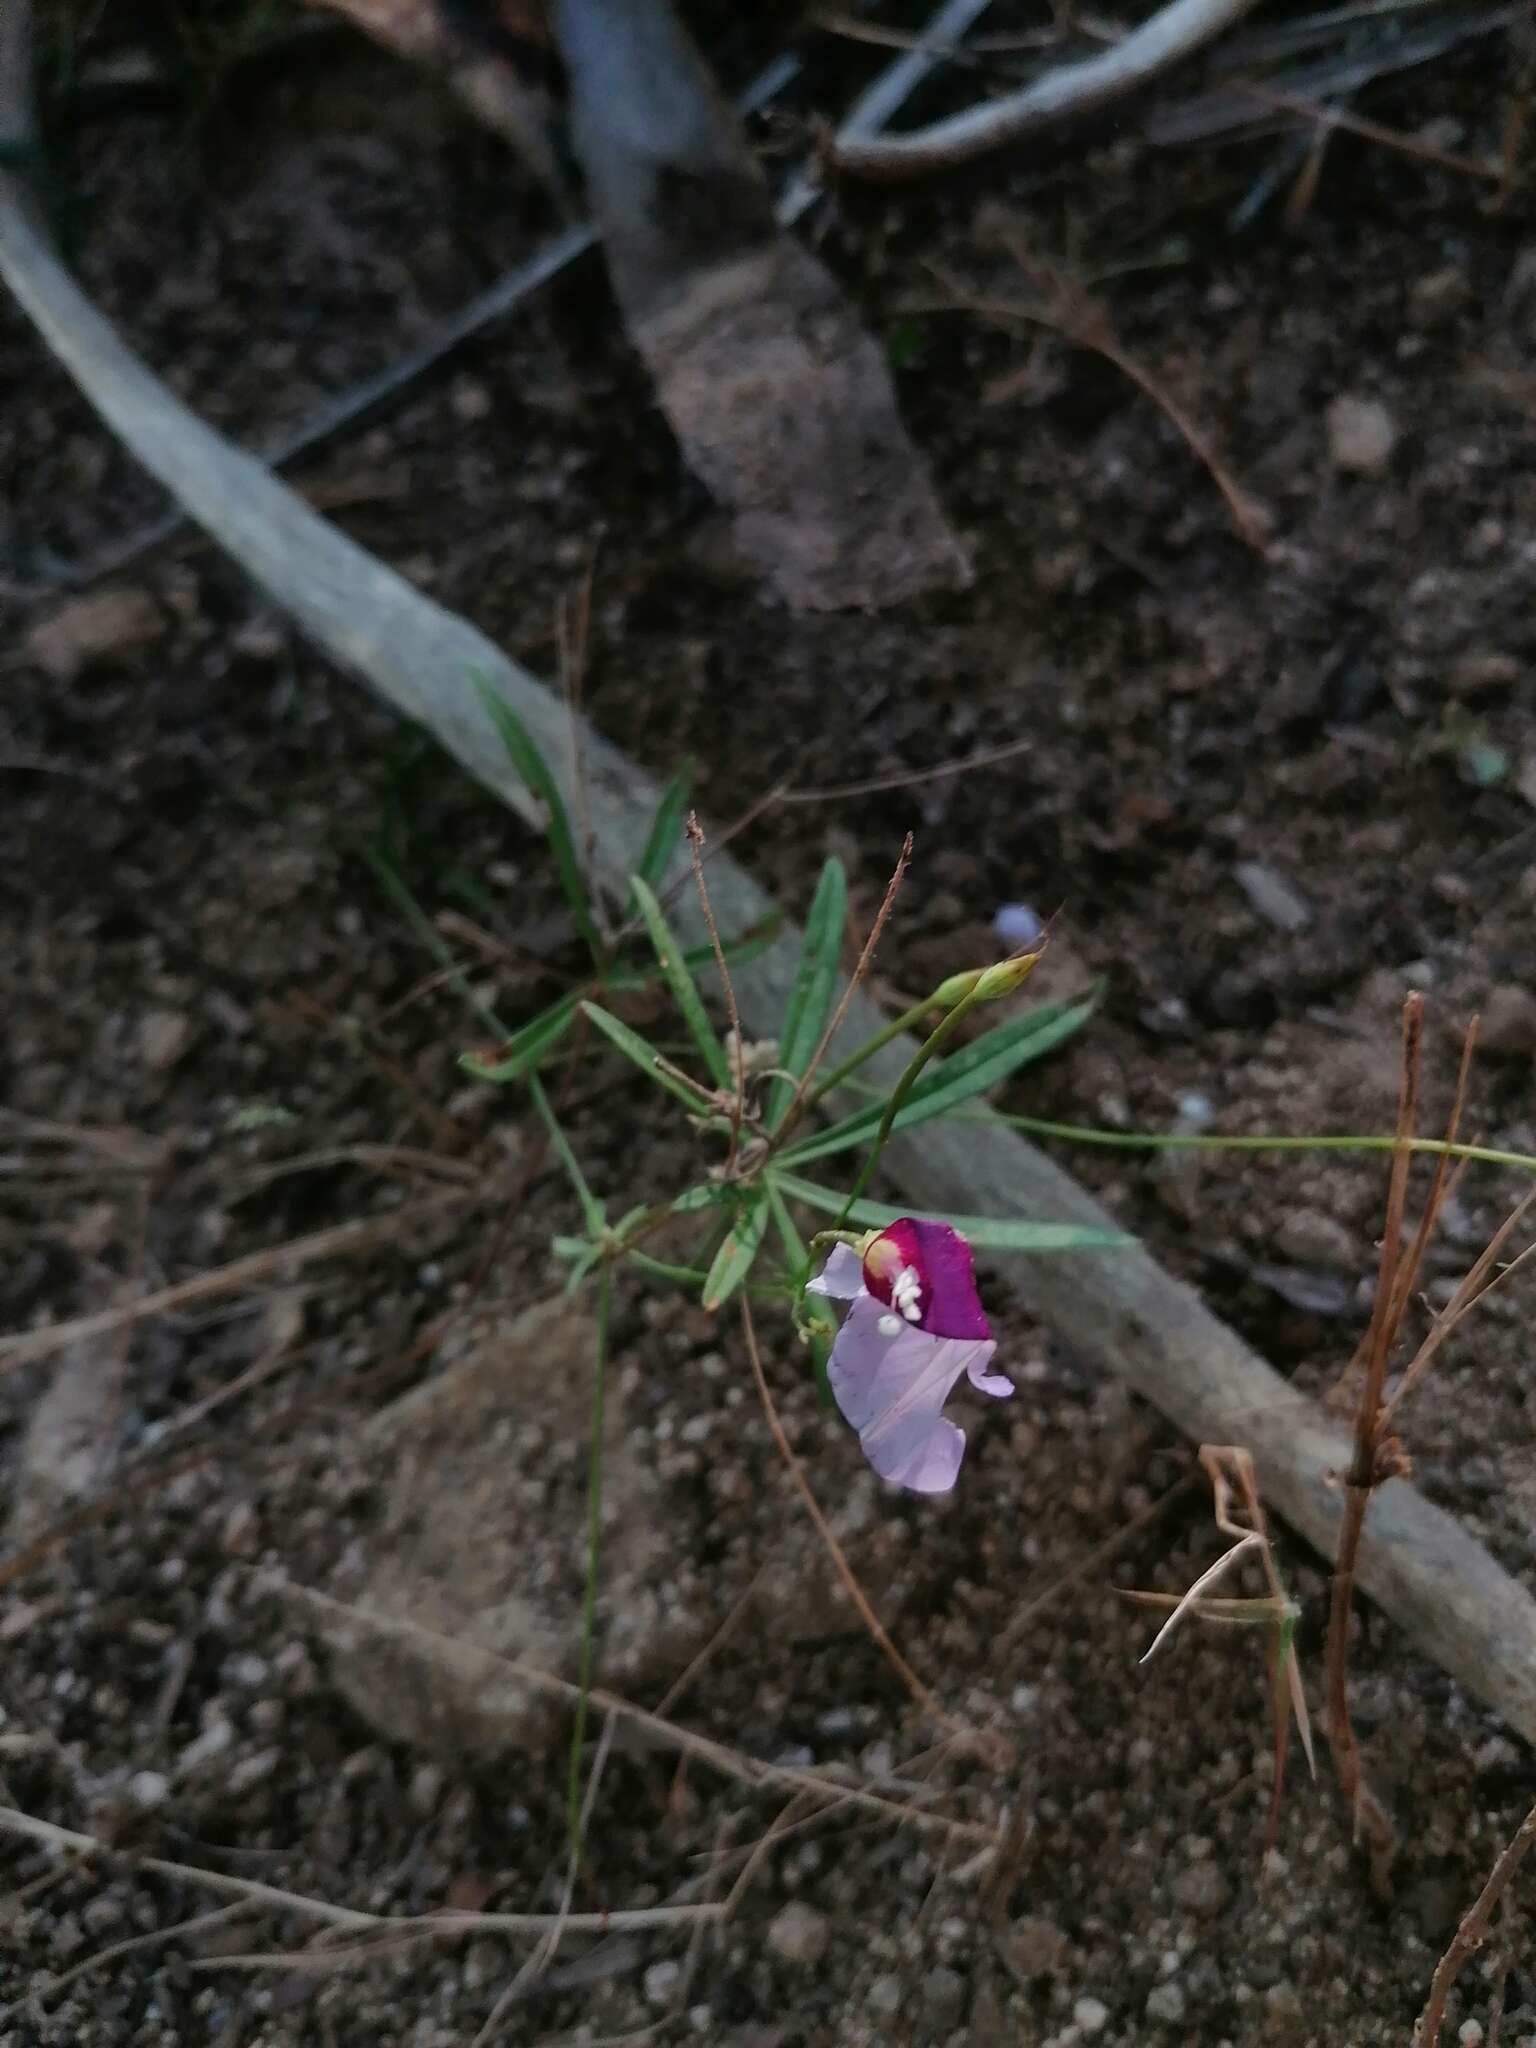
198 953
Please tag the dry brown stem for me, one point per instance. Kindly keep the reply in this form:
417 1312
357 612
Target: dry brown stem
877 1629
1066 306
1472 1932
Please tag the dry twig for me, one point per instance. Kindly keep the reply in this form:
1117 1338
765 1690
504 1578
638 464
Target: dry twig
1067 93
1472 1932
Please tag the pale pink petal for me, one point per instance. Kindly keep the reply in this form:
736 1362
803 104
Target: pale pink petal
842 1277
891 1381
992 1383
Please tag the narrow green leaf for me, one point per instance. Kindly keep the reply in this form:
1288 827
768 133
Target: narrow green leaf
525 1048
733 1261
991 1233
707 1195
685 990
975 1068
646 1058
810 1000
534 769
666 830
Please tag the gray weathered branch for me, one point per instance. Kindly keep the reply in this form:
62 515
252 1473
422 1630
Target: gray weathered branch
1065 94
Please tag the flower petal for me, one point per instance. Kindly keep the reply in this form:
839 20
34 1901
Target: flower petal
842 1277
891 1383
948 1303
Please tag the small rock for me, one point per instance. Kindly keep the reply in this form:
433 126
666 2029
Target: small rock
1314 1294
1017 925
474 1550
241 1532
205 1749
1439 297
163 1038
1275 898
149 1789
885 1996
1361 434
661 1981
1508 1028
1203 1888
1309 1237
252 1771
799 1933
944 1996
1038 1947
1090 2015
1482 674
471 401
71 1438
1165 2003
113 622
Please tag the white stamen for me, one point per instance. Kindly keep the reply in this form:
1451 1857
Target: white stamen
890 1326
906 1289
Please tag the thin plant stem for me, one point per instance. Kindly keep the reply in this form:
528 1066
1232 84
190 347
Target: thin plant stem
936 1040
1368 1464
868 1049
594 1549
1470 1934
845 1572
798 1101
737 1044
1197 1141
591 1208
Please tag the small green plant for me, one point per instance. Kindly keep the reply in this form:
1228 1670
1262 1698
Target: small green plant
761 1117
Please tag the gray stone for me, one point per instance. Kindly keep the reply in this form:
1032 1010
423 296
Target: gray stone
1310 1237
480 1547
1361 434
799 1933
1165 2003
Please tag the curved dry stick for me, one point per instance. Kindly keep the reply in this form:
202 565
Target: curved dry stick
1117 1310
1469 1935
1061 95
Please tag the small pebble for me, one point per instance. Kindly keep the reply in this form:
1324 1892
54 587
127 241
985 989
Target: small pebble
661 1981
1039 1948
885 1996
944 1996
1017 925
148 1789
1165 2002
1361 434
799 1933
1273 896
1091 2015
1310 1237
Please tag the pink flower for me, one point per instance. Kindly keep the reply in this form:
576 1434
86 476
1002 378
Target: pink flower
916 1323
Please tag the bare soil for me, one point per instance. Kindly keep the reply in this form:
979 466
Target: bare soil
197 951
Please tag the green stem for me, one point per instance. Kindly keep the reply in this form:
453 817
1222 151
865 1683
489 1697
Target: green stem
1439 1148
594 1544
935 1042
591 1207
866 1051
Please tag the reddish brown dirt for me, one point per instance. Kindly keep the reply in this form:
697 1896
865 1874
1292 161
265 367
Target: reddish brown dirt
197 950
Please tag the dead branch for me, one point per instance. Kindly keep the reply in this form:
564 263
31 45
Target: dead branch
1064 94
477 70
780 401
1472 1932
1117 1310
